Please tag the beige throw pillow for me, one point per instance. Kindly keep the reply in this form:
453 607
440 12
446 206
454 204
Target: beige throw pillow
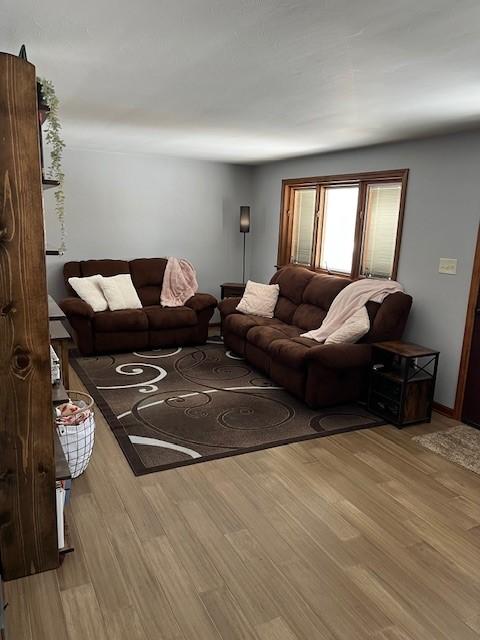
120 292
89 290
352 329
259 299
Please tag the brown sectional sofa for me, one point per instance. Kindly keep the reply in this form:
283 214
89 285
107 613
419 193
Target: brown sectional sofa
152 327
320 374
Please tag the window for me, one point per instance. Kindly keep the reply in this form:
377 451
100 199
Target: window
348 225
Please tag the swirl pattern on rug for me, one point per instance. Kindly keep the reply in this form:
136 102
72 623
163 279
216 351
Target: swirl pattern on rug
176 406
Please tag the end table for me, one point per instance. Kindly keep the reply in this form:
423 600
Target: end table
232 289
402 382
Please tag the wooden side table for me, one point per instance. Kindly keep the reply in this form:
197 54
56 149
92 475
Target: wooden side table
402 382
232 289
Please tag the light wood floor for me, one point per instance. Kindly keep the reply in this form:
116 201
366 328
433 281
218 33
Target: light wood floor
355 536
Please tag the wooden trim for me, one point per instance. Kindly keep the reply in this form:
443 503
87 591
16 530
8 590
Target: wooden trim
290 185
359 231
468 333
318 224
366 176
401 216
444 410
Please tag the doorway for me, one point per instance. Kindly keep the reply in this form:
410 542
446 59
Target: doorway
467 401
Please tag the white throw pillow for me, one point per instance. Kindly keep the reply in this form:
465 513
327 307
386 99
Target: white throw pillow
259 299
352 329
120 292
89 290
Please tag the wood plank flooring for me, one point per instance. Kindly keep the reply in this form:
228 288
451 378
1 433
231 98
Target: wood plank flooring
350 537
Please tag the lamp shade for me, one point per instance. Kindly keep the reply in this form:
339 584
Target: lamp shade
244 219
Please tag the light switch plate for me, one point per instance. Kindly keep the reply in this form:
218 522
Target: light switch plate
448 265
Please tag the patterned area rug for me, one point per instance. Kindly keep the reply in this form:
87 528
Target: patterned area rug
459 444
172 407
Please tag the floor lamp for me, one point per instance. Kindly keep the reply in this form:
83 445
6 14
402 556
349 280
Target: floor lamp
244 228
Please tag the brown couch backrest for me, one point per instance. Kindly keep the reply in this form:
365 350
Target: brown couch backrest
306 296
147 274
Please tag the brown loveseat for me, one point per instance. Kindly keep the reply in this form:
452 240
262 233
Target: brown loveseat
320 374
132 329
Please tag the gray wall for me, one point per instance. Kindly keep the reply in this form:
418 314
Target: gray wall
441 221
132 205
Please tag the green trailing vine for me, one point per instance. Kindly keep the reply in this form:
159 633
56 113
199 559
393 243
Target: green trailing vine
54 140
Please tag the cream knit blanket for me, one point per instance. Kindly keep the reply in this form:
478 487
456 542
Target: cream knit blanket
349 301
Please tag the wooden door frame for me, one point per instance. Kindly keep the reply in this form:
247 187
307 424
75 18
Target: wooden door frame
468 333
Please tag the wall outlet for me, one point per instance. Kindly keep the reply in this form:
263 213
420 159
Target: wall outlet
448 265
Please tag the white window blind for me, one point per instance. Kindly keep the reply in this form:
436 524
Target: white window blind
303 225
381 224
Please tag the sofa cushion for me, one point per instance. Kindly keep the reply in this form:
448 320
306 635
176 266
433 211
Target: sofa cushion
308 317
241 324
148 271
284 309
323 289
292 282
147 277
292 351
318 295
122 320
263 337
103 267
170 317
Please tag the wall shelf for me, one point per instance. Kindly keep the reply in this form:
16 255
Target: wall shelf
48 183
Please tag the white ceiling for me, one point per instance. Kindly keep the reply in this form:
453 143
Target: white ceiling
252 80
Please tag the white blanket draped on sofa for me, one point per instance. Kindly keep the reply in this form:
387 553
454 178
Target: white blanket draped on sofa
349 301
179 283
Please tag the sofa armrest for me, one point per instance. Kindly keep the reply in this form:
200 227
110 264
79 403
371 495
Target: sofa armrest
341 356
228 306
76 307
201 301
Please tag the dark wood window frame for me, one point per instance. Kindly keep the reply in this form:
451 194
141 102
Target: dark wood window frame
362 180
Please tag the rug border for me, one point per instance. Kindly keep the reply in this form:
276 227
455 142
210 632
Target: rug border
139 468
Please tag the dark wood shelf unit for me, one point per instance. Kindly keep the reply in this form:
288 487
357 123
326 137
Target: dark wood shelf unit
68 546
54 311
43 108
60 341
43 111
62 471
59 394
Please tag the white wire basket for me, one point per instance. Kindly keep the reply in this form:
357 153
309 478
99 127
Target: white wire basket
76 431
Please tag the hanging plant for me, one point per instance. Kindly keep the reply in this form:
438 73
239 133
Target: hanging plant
54 140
